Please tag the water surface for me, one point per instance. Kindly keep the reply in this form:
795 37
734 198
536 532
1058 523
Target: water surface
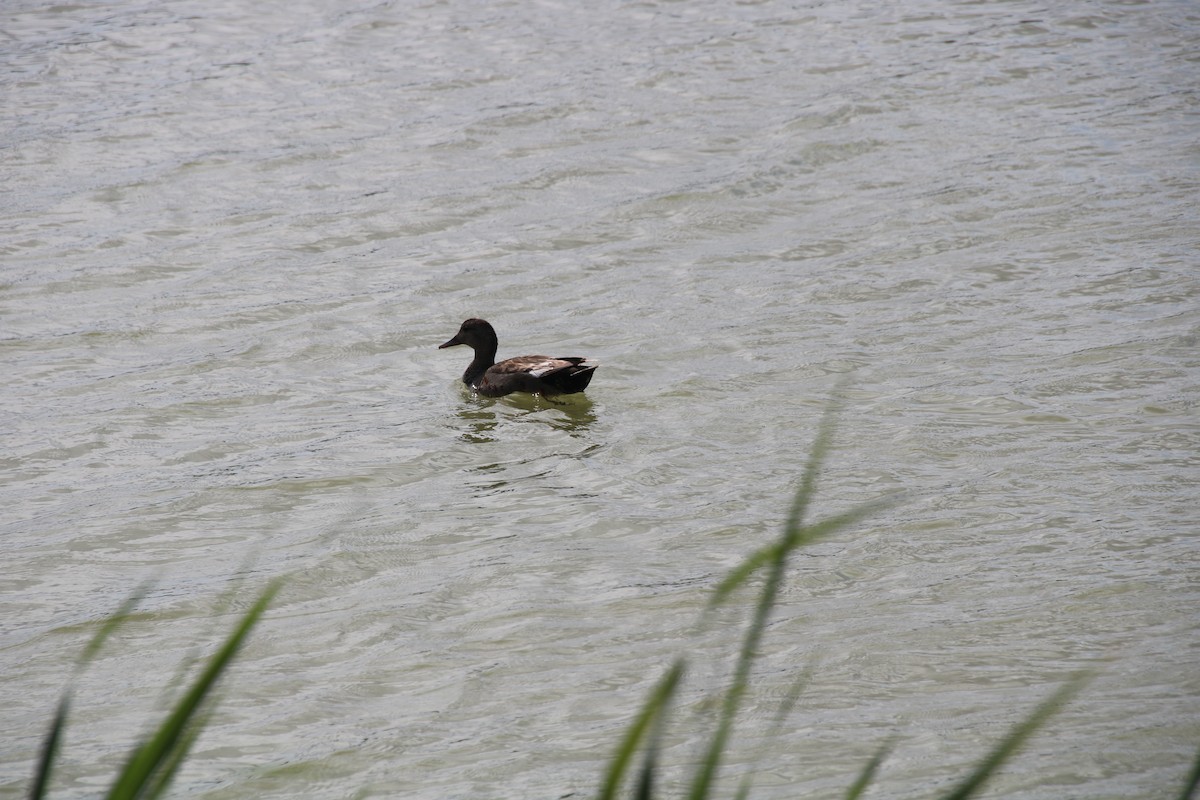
234 235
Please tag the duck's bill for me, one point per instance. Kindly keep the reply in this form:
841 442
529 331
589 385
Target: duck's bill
450 343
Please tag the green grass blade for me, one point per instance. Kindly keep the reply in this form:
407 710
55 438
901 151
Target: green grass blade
162 777
742 573
821 446
794 535
790 699
775 557
110 625
710 764
53 740
160 749
1193 780
868 772
49 752
645 783
660 696
771 553
224 602
781 714
1011 743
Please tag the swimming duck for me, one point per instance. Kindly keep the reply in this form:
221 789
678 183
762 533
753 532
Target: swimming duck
533 374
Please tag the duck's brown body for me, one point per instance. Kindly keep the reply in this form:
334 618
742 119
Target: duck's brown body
533 374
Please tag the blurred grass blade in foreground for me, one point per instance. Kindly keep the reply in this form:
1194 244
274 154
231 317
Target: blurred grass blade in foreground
655 705
153 763
1011 743
48 753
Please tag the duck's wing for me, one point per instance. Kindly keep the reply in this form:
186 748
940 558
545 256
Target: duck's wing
537 375
537 366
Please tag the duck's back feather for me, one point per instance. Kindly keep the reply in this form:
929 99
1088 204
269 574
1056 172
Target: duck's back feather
538 366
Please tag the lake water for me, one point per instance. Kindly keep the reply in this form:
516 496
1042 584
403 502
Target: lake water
234 233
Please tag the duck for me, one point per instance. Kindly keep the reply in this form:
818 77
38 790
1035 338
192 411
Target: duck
540 375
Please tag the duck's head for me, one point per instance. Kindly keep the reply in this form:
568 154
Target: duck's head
478 334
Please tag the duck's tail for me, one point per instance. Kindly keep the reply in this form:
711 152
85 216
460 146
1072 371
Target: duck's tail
570 379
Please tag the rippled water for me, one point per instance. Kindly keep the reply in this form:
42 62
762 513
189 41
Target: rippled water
235 233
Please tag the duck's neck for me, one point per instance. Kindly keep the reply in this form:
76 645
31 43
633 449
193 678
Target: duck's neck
484 358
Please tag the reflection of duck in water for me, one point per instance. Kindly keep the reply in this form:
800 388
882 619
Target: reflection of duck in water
533 374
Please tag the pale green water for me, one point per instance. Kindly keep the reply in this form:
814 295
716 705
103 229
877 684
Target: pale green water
234 235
